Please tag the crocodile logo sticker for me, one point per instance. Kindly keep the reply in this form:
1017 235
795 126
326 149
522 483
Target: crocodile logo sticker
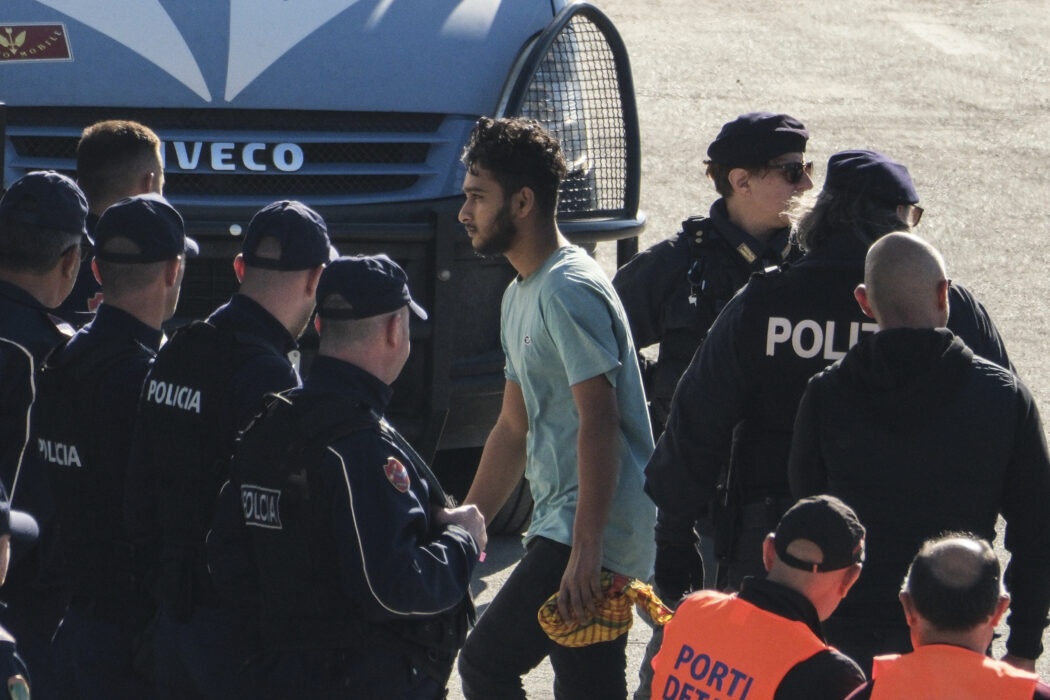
34 42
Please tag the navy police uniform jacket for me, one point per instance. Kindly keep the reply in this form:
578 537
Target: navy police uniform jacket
201 391
28 331
920 437
346 553
736 403
673 291
87 398
34 588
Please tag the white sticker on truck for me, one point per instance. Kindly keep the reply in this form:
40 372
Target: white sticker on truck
123 20
285 23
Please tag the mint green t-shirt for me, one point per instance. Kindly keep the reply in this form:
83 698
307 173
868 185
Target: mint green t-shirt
562 325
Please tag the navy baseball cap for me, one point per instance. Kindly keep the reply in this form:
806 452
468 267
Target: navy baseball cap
148 221
370 284
46 199
826 522
20 525
870 174
300 231
757 137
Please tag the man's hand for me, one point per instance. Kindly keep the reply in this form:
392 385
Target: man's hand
581 584
678 570
1018 662
467 517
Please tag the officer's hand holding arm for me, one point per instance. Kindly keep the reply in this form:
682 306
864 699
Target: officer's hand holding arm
503 459
598 466
467 517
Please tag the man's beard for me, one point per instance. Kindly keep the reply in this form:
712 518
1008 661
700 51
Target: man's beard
501 236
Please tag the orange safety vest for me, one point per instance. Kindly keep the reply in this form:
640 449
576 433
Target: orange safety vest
718 647
942 671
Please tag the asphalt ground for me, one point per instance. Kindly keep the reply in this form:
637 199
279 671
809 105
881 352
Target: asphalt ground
958 92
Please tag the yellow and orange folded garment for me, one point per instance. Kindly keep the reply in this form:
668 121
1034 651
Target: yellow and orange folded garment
614 616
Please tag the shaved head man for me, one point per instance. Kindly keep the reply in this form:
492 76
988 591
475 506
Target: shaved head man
921 436
953 598
905 283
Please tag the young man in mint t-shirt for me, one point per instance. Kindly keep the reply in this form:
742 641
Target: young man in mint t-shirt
573 419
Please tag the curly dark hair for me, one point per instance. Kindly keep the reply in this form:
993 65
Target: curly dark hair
519 153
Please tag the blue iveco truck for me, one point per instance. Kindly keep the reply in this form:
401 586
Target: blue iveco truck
359 108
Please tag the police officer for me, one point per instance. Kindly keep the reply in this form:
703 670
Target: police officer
363 564
673 291
204 386
41 231
953 598
736 402
766 642
87 397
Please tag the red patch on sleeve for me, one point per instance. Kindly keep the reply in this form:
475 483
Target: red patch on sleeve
396 474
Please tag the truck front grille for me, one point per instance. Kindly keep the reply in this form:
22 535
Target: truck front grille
224 157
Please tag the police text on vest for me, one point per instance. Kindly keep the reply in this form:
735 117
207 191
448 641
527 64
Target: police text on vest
808 338
182 397
58 453
262 506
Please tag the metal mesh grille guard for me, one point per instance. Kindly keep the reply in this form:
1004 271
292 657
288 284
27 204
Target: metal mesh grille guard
576 80
576 96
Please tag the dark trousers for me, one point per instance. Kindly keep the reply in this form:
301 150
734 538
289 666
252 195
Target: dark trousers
200 659
333 674
508 642
92 656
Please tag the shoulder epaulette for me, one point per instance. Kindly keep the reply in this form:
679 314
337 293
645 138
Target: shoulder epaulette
699 229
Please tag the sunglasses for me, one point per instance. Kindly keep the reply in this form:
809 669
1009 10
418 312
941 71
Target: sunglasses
794 170
910 214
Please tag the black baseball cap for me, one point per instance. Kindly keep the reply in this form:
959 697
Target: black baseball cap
300 231
48 200
370 284
870 174
826 522
20 525
757 137
148 221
